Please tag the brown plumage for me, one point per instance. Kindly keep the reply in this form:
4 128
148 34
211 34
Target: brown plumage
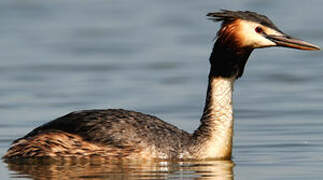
122 134
112 133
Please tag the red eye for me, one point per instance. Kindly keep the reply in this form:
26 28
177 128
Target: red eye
259 29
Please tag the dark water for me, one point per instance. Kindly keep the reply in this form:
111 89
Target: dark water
152 56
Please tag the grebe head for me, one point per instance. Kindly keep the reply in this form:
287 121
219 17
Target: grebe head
245 29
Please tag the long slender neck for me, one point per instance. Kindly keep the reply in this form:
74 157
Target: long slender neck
213 139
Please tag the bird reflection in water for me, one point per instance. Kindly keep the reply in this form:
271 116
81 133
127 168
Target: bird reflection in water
97 168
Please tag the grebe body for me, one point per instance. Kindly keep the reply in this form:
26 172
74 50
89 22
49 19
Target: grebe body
84 133
122 134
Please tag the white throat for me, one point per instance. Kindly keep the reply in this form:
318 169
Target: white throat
214 135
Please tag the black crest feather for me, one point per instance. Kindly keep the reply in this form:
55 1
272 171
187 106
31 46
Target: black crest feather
227 16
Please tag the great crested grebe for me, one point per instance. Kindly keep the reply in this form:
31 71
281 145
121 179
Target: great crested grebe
117 133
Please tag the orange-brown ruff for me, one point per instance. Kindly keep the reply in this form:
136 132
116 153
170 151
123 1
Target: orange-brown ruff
229 34
122 134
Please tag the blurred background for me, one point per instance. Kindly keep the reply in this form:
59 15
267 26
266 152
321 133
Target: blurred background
152 56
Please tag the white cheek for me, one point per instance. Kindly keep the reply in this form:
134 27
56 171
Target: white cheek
260 41
251 38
